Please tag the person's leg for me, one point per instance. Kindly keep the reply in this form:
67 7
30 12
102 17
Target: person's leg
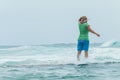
79 49
78 55
86 47
86 54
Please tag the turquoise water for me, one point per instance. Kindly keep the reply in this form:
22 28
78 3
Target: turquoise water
58 62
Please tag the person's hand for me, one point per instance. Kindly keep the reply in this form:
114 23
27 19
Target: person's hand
98 35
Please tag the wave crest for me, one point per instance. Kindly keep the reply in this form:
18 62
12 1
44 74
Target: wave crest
111 44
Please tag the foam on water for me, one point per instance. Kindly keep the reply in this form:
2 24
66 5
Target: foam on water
111 44
58 54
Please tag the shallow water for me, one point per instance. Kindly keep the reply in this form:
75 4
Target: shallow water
105 71
58 62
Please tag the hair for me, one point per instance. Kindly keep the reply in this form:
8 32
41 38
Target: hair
83 19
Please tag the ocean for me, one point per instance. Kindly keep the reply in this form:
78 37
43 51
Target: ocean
59 62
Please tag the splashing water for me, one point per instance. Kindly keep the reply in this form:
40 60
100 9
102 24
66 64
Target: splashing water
58 61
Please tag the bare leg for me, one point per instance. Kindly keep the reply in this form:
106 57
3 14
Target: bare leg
78 55
86 54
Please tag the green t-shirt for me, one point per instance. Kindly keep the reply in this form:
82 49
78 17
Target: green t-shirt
83 31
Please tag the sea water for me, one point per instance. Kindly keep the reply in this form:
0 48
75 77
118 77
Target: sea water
59 62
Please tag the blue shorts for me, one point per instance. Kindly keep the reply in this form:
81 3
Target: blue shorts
83 45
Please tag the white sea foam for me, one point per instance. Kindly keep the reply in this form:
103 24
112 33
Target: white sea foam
111 43
51 55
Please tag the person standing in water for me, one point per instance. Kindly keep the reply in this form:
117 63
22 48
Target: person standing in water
83 39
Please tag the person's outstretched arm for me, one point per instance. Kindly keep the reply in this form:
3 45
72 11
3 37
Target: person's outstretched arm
92 31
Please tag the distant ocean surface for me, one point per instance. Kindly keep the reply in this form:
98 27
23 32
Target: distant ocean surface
58 62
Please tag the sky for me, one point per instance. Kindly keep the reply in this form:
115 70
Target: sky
34 22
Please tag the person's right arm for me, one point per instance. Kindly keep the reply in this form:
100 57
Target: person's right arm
92 31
